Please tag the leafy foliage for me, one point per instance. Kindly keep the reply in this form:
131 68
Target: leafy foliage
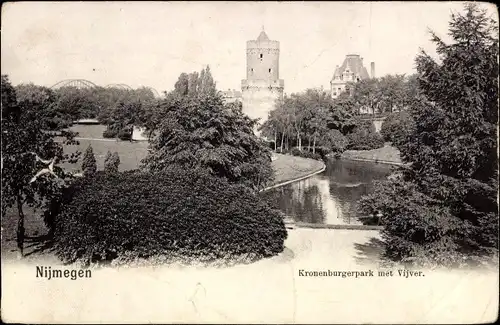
45 101
444 208
335 141
24 138
196 84
89 164
175 211
397 127
364 137
203 132
384 95
111 162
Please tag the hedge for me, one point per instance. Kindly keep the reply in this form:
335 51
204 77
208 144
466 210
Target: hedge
305 153
139 215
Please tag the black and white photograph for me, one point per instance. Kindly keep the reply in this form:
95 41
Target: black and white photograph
255 162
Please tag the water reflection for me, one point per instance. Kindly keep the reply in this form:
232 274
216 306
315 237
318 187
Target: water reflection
329 197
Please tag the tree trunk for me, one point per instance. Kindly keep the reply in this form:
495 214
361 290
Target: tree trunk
308 143
282 138
314 144
298 141
275 140
20 227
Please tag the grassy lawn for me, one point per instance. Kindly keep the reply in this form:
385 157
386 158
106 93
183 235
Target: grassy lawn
288 167
385 154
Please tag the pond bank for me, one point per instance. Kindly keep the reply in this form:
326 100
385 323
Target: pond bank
289 169
385 155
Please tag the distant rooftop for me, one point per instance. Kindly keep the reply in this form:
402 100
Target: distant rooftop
352 63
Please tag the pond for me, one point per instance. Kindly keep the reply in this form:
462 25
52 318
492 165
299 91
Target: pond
332 196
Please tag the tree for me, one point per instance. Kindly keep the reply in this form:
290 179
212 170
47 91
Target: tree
391 93
77 103
195 84
116 160
111 162
205 133
335 141
342 114
24 142
207 83
397 127
366 95
43 100
89 164
318 104
181 87
444 209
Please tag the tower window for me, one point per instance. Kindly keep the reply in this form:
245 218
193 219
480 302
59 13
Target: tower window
270 70
261 55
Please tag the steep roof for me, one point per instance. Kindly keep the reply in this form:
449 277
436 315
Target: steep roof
263 37
353 63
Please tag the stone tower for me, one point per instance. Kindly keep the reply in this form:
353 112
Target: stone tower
262 87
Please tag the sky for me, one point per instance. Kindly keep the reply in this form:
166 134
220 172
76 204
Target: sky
152 43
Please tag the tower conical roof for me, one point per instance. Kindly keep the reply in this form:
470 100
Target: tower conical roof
262 37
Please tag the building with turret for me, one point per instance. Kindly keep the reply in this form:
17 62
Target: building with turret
262 86
351 70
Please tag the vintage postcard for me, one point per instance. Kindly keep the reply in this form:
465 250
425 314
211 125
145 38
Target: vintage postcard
249 162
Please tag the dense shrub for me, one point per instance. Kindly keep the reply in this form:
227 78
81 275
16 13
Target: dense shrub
396 127
323 151
111 162
110 133
136 214
335 141
364 138
125 134
305 154
89 164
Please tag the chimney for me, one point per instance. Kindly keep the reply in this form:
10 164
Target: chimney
372 68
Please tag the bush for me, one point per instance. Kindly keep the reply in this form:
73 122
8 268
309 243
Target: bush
396 127
364 138
125 134
176 211
323 152
111 162
335 141
89 164
305 154
110 133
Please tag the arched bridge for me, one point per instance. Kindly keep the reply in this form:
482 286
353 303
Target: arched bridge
120 86
77 83
86 84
